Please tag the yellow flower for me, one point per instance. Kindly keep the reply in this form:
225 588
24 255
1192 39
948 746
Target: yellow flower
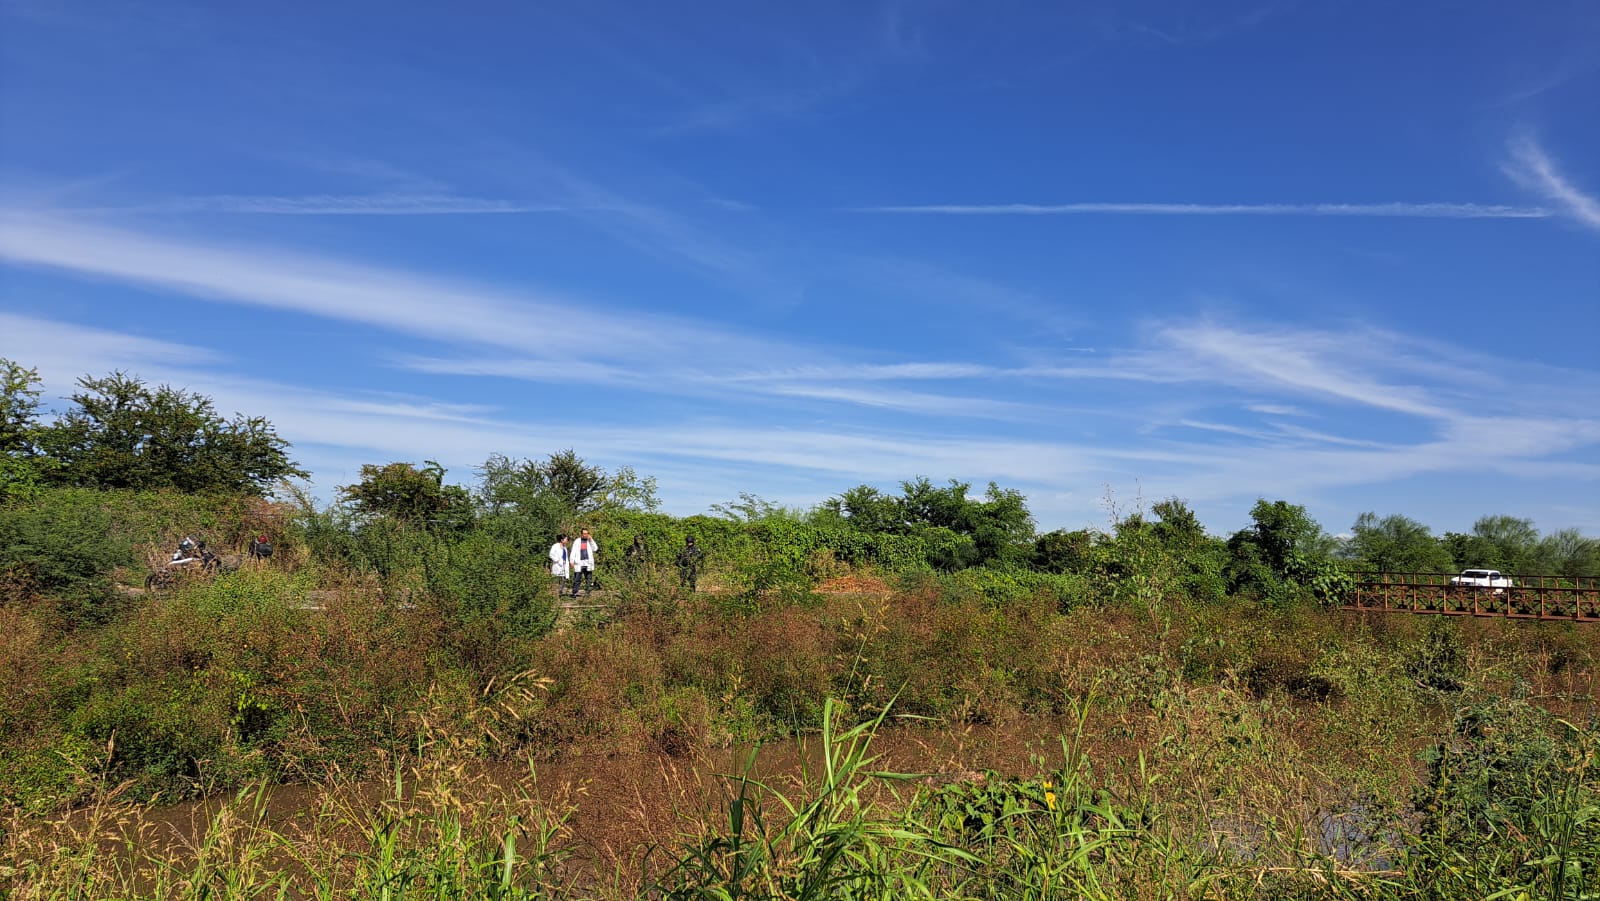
1050 799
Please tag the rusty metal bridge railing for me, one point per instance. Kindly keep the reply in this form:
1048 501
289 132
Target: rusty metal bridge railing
1551 598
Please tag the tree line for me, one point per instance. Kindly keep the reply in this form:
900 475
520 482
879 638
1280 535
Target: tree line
121 433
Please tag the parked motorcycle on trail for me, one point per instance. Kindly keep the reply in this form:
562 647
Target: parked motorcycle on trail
192 557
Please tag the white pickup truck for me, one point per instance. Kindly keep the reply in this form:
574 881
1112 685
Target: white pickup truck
1482 579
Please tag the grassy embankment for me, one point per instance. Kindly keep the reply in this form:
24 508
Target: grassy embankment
1208 750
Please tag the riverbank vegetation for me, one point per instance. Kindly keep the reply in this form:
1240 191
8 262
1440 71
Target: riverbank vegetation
1220 728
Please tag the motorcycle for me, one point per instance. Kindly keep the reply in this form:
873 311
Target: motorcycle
190 559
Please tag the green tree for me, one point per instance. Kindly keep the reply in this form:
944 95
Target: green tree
1282 557
1468 551
1193 559
1511 541
1147 559
23 466
1003 527
1396 543
1567 552
19 407
956 530
754 508
1280 531
124 434
962 531
1508 543
562 485
402 492
946 507
1176 526
865 508
1061 551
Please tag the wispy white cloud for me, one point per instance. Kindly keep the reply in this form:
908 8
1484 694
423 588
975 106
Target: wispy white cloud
431 307
1279 435
641 351
363 423
1580 64
867 455
1317 364
1531 167
874 372
334 432
1214 22
555 371
368 425
382 176
1227 429
648 227
1357 366
732 206
909 401
1376 210
1276 410
388 204
1295 431
838 385
59 349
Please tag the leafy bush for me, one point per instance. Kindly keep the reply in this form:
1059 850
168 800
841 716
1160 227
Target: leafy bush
61 545
1511 799
1437 661
492 595
162 733
1006 586
484 578
40 777
1283 558
158 519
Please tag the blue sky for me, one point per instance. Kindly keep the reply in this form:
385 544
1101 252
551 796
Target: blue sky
1342 253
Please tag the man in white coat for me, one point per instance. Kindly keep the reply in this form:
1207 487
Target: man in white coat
581 558
558 561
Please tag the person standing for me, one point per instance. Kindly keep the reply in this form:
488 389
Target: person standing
582 556
689 562
558 561
260 549
635 557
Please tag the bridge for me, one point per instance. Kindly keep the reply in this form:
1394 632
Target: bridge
1549 598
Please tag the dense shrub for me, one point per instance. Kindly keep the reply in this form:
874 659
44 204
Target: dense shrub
156 520
1511 796
602 687
69 544
60 546
490 592
49 771
1006 586
1436 660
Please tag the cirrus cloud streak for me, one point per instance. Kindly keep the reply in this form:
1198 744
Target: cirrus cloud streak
1375 210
